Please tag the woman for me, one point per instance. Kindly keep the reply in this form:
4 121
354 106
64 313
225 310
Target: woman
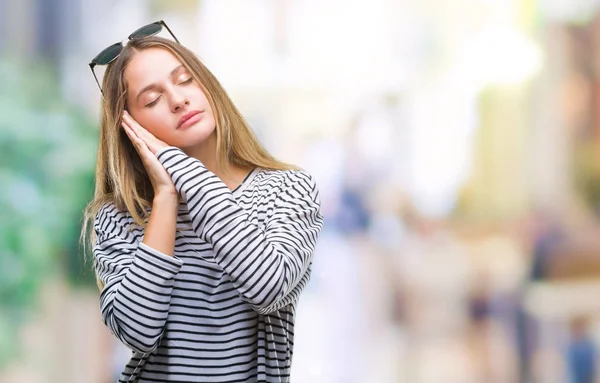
202 241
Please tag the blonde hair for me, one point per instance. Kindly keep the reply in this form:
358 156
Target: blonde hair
120 174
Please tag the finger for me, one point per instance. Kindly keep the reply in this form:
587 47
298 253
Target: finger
151 142
126 129
132 138
145 139
139 130
127 115
131 121
124 125
127 122
148 138
137 143
132 131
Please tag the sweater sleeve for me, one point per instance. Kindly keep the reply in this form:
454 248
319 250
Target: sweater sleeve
137 280
269 267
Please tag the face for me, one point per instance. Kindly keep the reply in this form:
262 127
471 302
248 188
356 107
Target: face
163 97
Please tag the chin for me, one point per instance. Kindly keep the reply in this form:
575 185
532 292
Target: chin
196 135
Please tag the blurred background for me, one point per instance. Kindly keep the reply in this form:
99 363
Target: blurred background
456 144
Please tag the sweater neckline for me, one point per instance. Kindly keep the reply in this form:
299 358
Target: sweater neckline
245 182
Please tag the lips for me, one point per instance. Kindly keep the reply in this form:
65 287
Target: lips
187 116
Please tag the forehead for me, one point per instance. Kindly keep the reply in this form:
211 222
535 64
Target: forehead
149 66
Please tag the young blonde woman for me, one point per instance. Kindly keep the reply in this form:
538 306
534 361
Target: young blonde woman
202 241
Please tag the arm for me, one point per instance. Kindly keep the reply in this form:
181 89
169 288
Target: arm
162 224
268 268
138 280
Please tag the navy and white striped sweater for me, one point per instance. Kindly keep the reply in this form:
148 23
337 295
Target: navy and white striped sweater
222 308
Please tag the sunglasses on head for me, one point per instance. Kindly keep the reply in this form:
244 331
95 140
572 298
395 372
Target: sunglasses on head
111 53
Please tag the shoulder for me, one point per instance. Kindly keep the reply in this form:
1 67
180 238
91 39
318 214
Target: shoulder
111 219
285 179
288 186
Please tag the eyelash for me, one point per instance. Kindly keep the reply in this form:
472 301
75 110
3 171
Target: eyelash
186 82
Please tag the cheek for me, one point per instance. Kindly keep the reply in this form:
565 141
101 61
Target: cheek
156 122
201 97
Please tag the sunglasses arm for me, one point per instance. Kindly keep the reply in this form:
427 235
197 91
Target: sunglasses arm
92 65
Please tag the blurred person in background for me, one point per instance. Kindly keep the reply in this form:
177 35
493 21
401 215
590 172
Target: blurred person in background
581 352
202 241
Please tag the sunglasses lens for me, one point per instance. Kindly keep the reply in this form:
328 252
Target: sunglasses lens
109 54
148 30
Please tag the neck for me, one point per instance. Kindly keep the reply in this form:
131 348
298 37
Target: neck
206 152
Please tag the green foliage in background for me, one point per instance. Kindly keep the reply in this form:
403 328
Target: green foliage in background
47 153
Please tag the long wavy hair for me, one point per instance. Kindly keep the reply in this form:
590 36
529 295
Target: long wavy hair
120 174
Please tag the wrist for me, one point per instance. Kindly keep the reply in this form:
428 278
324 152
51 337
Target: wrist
166 197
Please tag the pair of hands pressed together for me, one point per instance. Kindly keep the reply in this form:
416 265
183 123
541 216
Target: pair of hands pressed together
147 146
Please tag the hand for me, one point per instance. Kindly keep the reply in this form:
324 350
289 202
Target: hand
152 143
147 146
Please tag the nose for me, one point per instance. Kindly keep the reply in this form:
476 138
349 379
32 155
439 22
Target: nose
179 100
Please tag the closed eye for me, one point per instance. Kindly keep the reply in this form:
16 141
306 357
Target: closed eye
152 103
185 82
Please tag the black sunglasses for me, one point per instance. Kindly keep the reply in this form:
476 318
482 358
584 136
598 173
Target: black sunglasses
111 53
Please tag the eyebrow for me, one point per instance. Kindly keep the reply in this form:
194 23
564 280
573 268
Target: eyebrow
154 86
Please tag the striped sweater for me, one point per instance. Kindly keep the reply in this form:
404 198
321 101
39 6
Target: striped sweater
222 308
